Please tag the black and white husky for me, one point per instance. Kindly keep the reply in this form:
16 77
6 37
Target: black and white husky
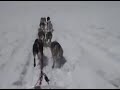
41 35
57 51
42 23
49 37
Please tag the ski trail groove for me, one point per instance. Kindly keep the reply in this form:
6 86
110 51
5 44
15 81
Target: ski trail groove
20 81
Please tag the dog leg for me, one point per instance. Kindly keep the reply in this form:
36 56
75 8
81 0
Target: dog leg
53 63
41 62
34 62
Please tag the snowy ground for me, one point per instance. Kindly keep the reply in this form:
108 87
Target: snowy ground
88 32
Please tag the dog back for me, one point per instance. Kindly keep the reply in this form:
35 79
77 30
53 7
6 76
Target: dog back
56 49
43 19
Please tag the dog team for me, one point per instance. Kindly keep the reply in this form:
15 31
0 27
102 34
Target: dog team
45 33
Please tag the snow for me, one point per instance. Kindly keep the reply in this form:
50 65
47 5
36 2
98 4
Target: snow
87 31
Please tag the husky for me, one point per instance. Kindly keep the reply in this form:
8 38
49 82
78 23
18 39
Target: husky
43 26
41 35
37 49
49 36
49 25
57 51
42 23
